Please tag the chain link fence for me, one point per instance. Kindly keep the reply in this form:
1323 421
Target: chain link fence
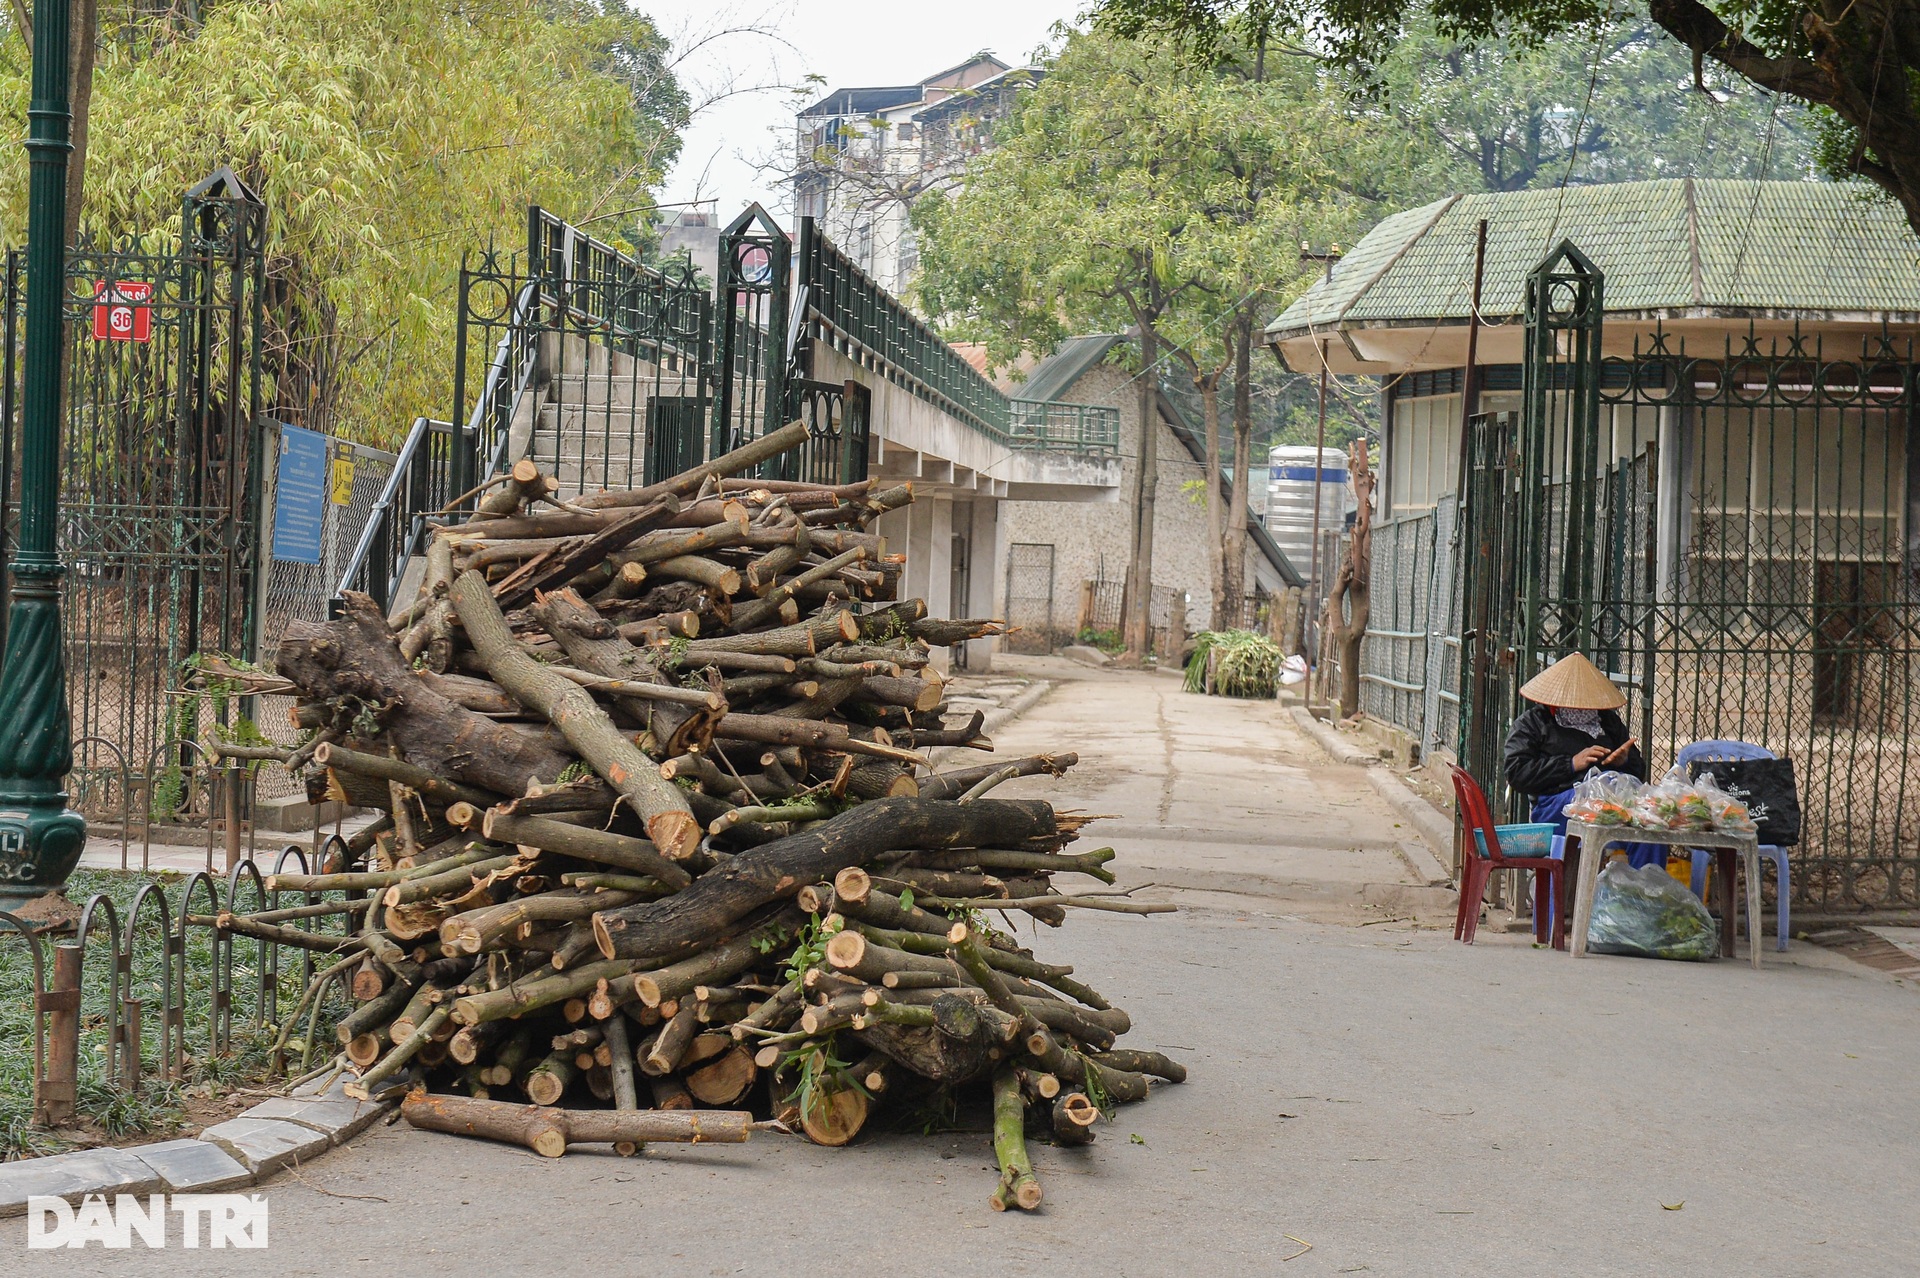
291 591
1409 660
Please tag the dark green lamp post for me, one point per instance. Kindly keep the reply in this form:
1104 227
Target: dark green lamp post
40 839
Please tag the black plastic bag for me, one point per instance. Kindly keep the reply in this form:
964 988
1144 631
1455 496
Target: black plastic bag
1767 787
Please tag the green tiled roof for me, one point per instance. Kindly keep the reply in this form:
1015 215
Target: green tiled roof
1666 246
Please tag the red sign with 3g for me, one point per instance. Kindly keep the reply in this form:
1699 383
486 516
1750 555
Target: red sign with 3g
120 313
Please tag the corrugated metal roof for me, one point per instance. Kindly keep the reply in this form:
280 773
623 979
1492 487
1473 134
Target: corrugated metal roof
1671 245
1188 432
1070 361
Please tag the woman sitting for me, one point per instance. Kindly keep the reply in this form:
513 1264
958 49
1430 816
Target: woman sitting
1574 729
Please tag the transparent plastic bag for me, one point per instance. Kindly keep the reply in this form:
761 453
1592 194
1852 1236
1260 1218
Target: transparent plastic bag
1729 814
1649 914
1674 804
1605 798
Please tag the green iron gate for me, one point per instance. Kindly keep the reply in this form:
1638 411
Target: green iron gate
1488 643
160 475
1730 536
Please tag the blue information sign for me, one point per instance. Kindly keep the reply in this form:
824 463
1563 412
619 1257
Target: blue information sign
300 496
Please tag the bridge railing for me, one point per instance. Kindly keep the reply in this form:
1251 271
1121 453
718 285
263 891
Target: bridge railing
607 372
841 306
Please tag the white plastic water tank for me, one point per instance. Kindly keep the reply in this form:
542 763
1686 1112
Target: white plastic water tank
1292 488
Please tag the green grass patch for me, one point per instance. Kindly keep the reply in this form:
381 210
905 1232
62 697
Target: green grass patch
159 1107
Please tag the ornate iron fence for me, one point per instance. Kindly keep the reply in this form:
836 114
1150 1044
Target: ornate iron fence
160 469
123 1018
1727 535
1784 608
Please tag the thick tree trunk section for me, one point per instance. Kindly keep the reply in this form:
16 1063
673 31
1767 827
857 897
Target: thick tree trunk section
1139 592
572 709
1349 606
1233 556
667 929
355 656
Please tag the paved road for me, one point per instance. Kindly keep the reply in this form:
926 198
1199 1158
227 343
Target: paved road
1404 1104
1221 799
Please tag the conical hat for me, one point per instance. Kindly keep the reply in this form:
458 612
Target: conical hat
1573 683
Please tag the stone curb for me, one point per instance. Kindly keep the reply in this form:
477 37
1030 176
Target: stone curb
1330 740
1431 855
995 719
241 1151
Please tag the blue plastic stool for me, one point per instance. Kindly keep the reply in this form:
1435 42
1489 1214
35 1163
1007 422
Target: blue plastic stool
1736 752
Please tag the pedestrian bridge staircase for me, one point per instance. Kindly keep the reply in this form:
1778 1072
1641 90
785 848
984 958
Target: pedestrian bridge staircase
609 374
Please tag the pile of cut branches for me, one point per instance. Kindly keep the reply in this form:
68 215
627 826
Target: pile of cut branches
1234 663
661 856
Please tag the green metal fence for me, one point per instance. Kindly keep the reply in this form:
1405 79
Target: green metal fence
160 476
838 305
1728 534
1785 605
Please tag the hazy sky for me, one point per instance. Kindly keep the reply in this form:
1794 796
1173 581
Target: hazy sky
846 42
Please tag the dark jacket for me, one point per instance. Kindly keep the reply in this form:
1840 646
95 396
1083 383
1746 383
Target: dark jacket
1540 752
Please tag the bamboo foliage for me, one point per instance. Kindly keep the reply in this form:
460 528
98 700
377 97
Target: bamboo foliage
385 137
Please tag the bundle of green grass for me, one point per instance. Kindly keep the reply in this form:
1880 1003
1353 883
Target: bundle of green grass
1234 663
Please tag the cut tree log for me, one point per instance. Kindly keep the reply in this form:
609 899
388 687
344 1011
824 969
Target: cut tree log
834 1115
598 650
724 1079
354 656
583 841
669 928
1073 1118
550 1132
1018 1187
570 708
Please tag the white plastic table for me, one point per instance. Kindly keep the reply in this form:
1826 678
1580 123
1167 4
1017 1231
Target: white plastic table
1597 837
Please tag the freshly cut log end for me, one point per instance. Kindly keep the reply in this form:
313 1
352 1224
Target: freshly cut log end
364 1049
724 1079
675 833
834 1116
1073 1119
368 982
853 885
846 949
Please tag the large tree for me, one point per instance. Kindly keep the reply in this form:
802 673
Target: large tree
1615 104
1857 60
387 137
1119 195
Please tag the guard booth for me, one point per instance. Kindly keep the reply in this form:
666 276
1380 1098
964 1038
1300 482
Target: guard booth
1691 461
